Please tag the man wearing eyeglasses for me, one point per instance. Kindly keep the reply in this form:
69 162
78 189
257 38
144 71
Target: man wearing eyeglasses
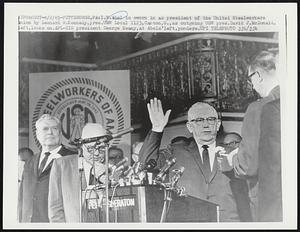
202 177
71 174
264 78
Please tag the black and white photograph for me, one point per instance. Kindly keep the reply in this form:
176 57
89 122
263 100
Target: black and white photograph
138 119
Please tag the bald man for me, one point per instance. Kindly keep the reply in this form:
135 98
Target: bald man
232 140
202 178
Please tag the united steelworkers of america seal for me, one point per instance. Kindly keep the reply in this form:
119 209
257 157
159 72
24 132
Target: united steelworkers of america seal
77 101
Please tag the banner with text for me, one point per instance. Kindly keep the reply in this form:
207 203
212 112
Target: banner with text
77 98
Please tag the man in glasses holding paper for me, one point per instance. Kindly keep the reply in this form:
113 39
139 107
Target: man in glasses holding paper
202 177
265 81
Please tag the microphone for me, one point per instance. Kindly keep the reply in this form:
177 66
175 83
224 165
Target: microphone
177 175
136 167
128 172
117 165
103 138
150 165
169 163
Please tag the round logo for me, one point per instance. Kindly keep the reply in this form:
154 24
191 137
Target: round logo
77 101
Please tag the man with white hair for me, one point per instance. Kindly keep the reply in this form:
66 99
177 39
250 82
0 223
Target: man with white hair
202 177
35 181
66 181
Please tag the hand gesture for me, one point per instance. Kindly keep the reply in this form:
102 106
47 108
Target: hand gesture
157 117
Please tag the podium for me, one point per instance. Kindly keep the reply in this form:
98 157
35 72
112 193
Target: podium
145 204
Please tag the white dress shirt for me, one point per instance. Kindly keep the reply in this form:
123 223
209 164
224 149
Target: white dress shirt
211 152
87 169
53 155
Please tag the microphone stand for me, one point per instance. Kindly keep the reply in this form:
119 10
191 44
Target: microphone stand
167 202
80 169
106 183
104 140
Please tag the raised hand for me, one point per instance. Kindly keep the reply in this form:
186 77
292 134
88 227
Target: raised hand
157 117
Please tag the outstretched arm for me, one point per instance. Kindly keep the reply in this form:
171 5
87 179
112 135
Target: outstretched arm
159 120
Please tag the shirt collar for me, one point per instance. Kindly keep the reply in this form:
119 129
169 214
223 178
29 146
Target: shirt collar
210 146
54 151
211 153
87 168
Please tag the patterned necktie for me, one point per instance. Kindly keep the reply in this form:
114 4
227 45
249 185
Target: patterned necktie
43 163
205 160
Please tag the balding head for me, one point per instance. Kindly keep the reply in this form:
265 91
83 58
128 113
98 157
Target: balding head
201 108
203 123
232 140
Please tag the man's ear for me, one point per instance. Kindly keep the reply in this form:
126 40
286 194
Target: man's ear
189 127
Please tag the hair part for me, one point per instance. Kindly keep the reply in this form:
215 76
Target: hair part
265 60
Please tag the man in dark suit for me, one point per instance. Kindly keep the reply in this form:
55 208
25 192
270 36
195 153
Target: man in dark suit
35 181
202 177
265 81
269 175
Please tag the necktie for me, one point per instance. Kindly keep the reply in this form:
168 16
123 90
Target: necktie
43 163
205 160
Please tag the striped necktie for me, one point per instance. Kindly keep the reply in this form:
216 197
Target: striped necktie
43 163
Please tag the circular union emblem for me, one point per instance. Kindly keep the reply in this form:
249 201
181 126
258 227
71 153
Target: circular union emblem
77 101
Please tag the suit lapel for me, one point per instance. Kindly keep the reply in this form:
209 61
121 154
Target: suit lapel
62 150
36 164
193 149
47 169
214 171
215 167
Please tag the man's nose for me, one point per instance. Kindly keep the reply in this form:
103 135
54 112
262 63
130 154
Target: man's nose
50 131
205 123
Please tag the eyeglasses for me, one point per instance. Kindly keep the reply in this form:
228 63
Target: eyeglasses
250 76
93 148
231 144
200 121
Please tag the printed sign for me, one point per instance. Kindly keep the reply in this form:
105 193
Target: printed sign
77 98
119 202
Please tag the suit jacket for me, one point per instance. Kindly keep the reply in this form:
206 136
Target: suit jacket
33 198
65 185
248 148
64 190
269 175
215 188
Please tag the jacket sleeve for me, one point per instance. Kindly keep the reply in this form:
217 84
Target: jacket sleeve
55 198
151 146
248 149
269 177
